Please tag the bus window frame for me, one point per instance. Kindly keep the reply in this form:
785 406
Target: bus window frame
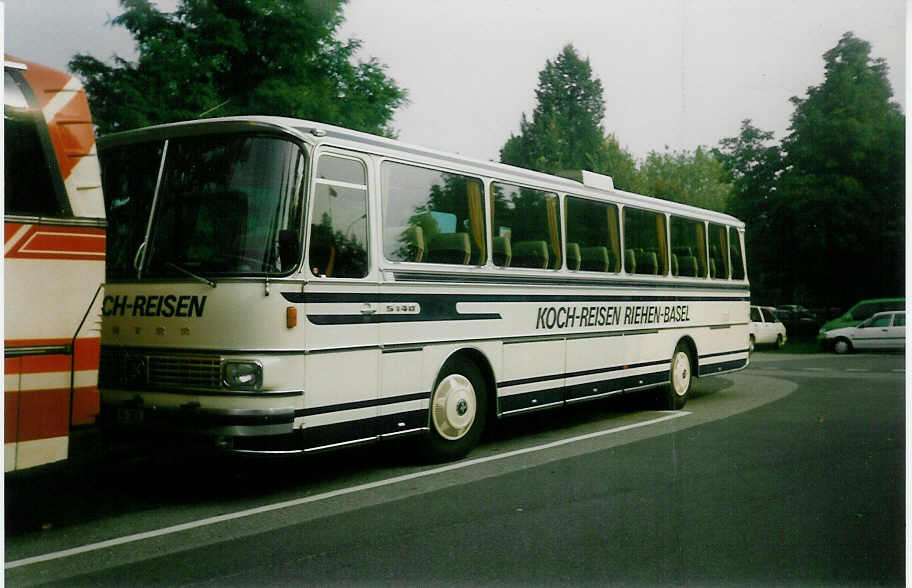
380 201
34 115
618 225
667 261
726 260
561 222
313 180
704 224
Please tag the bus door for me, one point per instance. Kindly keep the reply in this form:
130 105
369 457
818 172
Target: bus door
342 371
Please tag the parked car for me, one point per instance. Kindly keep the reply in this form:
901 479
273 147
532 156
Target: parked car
884 330
798 320
765 327
863 310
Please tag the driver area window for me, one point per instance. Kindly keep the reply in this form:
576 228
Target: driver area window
338 222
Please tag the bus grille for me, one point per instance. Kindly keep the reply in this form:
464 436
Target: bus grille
130 369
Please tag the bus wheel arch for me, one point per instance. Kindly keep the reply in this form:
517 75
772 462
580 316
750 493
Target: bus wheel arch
682 371
459 406
694 356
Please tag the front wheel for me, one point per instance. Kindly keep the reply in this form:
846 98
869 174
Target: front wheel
842 346
780 341
458 411
680 378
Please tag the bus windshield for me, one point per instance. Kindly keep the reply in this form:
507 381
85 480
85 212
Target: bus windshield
227 205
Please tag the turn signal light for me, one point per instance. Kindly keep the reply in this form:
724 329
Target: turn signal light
291 317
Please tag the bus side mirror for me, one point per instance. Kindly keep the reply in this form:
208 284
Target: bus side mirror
289 249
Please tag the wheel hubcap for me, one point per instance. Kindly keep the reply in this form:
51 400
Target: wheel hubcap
680 373
453 407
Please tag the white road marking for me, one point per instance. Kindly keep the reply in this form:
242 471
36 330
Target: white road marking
326 495
857 370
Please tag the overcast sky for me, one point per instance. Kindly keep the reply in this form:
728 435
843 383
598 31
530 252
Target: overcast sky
675 73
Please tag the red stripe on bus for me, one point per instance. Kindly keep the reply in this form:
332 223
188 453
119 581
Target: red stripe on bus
9 229
42 414
11 365
70 144
46 242
10 415
86 356
86 405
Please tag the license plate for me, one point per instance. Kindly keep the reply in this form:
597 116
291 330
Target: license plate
129 416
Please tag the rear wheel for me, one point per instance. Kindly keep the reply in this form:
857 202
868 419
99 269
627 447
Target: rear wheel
458 411
680 378
780 341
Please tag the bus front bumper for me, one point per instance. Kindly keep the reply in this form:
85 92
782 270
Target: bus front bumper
192 419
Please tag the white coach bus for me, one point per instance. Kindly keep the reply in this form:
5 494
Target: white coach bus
279 285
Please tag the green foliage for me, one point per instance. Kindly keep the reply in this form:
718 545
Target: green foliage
611 159
691 178
843 186
565 134
828 204
565 126
228 57
752 164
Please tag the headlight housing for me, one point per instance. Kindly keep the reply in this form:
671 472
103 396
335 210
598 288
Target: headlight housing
242 375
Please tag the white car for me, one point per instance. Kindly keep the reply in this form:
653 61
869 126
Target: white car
884 330
765 327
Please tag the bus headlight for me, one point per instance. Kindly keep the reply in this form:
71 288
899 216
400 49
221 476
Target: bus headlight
242 375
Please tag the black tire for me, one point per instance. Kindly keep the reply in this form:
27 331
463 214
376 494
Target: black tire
780 342
842 346
680 379
458 411
751 344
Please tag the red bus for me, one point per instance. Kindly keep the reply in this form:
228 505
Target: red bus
54 236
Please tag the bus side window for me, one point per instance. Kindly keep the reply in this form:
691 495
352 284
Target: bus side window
737 260
718 252
593 227
526 222
29 166
338 223
688 247
645 243
432 216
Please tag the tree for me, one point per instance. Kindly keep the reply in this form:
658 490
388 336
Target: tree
690 178
611 159
842 190
752 163
227 57
565 128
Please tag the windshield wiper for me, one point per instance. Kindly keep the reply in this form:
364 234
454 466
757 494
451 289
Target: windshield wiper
187 272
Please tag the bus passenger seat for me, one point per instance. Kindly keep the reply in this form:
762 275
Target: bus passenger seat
413 239
502 252
647 263
674 264
595 259
687 266
451 248
573 256
630 264
530 254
